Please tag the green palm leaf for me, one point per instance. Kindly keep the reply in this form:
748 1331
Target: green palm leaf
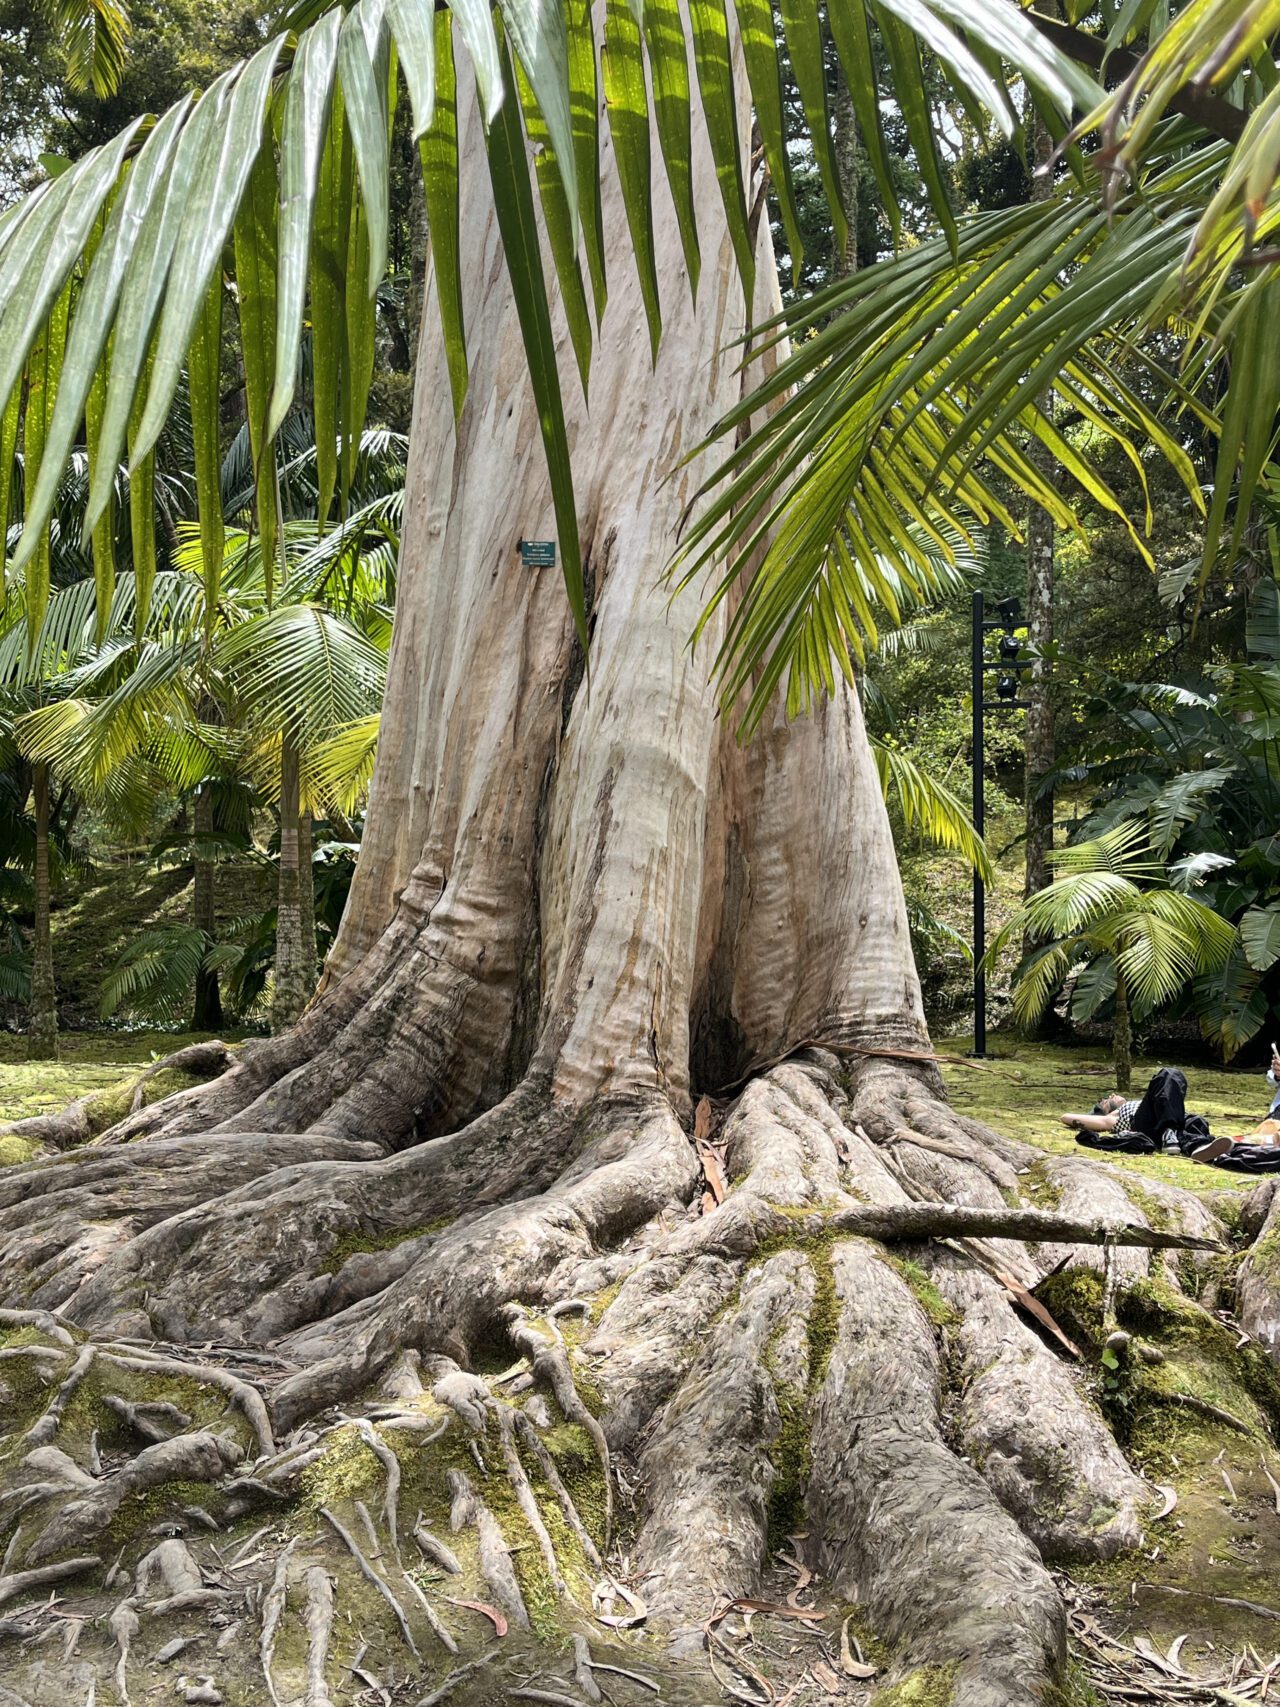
929 806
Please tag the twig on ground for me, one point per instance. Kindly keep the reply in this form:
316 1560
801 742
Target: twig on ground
450 1683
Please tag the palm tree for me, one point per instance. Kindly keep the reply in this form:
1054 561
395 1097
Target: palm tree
1112 917
201 696
210 171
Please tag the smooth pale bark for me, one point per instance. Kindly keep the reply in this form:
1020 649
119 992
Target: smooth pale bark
207 1015
42 1038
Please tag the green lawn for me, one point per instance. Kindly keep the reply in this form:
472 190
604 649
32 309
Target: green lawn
1024 1087
87 1061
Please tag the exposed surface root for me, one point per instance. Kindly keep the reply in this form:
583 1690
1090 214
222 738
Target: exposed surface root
821 1347
92 1117
1045 1453
1259 1278
708 1508
906 1528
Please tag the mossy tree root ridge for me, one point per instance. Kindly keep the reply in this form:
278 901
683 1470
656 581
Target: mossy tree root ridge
614 1404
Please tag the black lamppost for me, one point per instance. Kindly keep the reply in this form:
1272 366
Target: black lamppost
1009 664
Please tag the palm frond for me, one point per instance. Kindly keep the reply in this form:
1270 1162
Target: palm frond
305 116
929 806
94 35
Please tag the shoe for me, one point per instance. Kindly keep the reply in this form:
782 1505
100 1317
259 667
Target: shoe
1212 1150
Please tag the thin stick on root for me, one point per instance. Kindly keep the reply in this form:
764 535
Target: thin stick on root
371 1576
432 1616
1218 1599
454 1678
551 1364
247 1399
914 1223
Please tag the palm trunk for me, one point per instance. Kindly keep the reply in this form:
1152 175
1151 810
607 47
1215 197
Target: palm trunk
307 897
1122 1036
207 1014
845 261
42 1038
583 924
293 983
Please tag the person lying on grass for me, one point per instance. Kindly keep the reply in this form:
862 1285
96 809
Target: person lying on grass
1258 1151
1138 1125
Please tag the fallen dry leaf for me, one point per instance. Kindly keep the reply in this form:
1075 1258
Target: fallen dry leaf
603 1596
1170 1500
773 1608
848 1665
1154 1657
1032 1305
804 1576
499 1622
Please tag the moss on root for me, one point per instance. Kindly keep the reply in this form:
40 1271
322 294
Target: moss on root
927 1686
938 1312
789 1452
357 1242
1038 1187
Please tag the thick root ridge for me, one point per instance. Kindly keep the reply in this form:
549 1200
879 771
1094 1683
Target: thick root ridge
1259 1277
708 1521
581 1380
906 1528
63 1220
1022 1419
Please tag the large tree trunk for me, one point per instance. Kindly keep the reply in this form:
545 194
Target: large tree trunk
585 924
42 1036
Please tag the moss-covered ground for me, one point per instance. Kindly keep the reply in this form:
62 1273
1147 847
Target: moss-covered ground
104 1064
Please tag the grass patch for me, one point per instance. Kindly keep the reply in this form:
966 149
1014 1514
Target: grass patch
103 1062
1023 1089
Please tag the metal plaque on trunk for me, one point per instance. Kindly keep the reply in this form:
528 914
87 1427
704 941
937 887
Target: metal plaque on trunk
538 553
